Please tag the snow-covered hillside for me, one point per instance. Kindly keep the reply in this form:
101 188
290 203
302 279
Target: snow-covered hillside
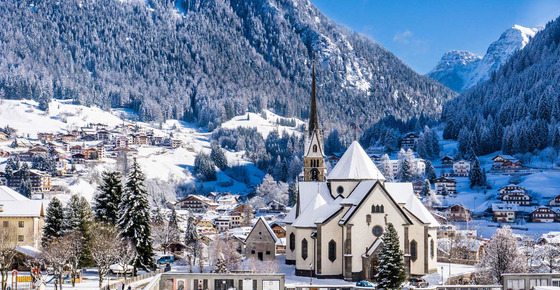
165 168
461 70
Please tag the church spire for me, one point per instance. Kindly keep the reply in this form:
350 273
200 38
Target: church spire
313 116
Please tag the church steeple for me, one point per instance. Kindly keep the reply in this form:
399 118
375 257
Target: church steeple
313 155
313 115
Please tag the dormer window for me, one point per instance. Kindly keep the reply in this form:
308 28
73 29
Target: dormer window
314 148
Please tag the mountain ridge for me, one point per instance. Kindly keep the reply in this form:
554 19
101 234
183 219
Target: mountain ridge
466 72
210 62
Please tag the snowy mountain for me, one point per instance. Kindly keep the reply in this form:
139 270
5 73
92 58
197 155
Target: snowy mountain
517 109
461 70
205 61
455 68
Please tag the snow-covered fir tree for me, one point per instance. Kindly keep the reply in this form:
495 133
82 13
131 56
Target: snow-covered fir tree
385 168
219 157
502 255
430 170
78 218
221 266
54 219
108 198
292 193
270 190
134 218
391 272
477 176
406 169
204 167
426 187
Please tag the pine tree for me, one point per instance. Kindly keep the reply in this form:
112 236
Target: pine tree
406 169
79 218
134 218
54 220
173 223
476 175
248 214
430 170
204 167
219 157
25 185
391 272
444 191
109 197
221 266
292 194
426 187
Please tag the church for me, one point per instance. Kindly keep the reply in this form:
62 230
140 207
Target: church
335 229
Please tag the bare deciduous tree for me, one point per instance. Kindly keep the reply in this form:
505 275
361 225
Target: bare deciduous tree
58 254
7 253
127 256
74 242
105 248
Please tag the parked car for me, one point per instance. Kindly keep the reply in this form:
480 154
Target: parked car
364 284
420 283
165 259
119 269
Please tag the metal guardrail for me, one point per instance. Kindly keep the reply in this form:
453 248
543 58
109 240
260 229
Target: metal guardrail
120 282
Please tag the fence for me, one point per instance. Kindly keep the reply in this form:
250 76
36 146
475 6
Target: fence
118 285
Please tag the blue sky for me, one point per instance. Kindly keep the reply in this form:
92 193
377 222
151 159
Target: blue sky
420 32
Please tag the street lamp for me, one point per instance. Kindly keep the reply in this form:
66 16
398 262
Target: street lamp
441 275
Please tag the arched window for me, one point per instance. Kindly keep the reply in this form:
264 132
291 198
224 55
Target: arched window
292 242
377 208
413 250
432 248
314 174
332 250
382 209
314 148
304 249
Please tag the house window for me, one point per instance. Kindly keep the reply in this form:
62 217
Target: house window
21 224
413 250
6 224
304 249
432 248
20 238
267 253
253 252
332 250
292 242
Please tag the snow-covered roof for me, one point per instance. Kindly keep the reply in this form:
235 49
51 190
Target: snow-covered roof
22 208
403 193
28 251
504 207
355 164
7 193
270 231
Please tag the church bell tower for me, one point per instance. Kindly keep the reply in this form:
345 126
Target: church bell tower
313 154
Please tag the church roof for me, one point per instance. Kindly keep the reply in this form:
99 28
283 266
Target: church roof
403 193
355 164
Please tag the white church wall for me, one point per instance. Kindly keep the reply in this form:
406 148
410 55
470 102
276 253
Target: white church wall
347 187
331 231
304 264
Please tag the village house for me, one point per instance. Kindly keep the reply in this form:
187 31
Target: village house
544 214
24 218
335 229
276 207
76 149
39 180
506 162
504 213
176 143
442 184
261 242
222 224
511 189
104 135
196 203
458 213
408 141
3 136
417 186
46 137
446 161
393 166
278 230
515 197
122 142
461 168
69 138
554 202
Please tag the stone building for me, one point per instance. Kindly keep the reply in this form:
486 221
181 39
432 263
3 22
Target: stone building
261 242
